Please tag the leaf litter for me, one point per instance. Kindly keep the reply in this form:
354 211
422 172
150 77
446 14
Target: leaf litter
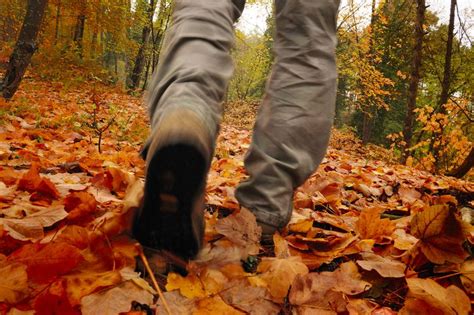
366 237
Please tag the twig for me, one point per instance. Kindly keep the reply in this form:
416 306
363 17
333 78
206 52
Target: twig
153 279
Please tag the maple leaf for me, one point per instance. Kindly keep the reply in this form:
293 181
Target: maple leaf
371 226
189 286
115 300
325 290
79 204
440 233
54 301
241 228
451 300
45 262
13 282
279 273
386 267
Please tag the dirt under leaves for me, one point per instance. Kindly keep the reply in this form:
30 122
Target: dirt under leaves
366 236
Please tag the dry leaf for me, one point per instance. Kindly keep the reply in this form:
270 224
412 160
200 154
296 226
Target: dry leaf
371 226
116 300
440 233
214 306
13 282
87 282
386 267
177 303
280 273
189 286
253 300
241 228
325 290
451 300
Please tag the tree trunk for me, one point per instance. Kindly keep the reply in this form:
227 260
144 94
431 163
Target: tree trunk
140 58
465 166
58 15
446 83
24 48
414 79
79 32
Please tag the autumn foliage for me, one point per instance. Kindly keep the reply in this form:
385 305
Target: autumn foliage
367 235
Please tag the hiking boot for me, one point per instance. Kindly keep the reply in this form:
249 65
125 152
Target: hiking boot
177 161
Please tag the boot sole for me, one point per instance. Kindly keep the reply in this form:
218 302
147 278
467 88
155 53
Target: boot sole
174 187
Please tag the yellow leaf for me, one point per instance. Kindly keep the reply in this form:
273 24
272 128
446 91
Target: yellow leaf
280 273
85 283
190 286
13 283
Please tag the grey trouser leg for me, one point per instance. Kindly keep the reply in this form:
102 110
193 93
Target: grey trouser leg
196 64
293 125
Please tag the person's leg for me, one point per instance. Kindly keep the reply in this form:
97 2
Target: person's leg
293 124
185 99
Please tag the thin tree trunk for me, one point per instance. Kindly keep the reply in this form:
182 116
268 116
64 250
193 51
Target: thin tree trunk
24 48
414 78
465 166
58 15
446 83
79 32
140 58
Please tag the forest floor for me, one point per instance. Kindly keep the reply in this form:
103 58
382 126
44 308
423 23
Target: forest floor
367 236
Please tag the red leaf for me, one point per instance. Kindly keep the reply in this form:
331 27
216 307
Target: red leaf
45 262
54 301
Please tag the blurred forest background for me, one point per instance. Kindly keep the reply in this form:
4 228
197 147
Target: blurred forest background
406 78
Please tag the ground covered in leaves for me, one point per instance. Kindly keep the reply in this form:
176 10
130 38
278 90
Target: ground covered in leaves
366 236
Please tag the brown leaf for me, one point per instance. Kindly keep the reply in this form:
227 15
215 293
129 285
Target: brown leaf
252 300
116 300
408 195
371 226
386 267
241 228
451 300
214 305
440 233
325 290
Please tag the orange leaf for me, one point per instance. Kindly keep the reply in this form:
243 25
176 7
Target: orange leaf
30 179
371 226
79 205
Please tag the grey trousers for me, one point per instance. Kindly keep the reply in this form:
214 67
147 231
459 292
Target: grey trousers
293 125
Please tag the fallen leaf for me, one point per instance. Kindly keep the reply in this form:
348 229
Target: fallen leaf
214 306
79 204
13 282
54 301
326 290
87 282
386 267
241 228
440 233
279 273
189 286
252 300
371 226
451 300
45 262
177 303
116 300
